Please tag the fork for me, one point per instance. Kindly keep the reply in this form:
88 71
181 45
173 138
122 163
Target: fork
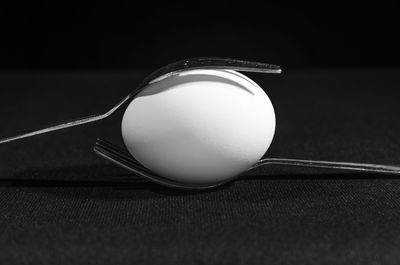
158 75
124 159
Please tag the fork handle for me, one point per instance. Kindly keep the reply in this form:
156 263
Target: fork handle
358 167
66 124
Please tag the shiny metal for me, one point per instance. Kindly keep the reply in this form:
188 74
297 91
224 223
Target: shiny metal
159 74
125 159
359 167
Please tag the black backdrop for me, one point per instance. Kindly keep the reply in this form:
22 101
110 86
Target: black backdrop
133 34
62 204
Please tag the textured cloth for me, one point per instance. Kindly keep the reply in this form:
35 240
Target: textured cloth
62 204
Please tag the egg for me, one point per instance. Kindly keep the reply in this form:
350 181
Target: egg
199 126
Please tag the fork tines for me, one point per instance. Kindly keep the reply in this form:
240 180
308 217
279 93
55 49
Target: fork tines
118 155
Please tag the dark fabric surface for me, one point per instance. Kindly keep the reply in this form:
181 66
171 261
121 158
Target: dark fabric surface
62 204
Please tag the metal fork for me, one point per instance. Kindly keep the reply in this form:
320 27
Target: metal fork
125 159
159 74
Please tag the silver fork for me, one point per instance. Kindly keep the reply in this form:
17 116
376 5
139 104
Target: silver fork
159 74
124 159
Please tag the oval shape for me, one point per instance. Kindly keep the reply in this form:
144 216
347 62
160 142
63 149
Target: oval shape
199 126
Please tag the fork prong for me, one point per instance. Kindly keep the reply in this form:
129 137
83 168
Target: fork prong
104 143
233 64
120 160
211 63
126 163
118 155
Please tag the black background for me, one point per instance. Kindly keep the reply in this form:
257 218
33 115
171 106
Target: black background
336 100
148 34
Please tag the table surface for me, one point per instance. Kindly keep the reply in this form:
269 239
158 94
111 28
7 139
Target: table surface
62 204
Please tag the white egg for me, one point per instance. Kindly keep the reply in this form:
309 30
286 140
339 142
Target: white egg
199 126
